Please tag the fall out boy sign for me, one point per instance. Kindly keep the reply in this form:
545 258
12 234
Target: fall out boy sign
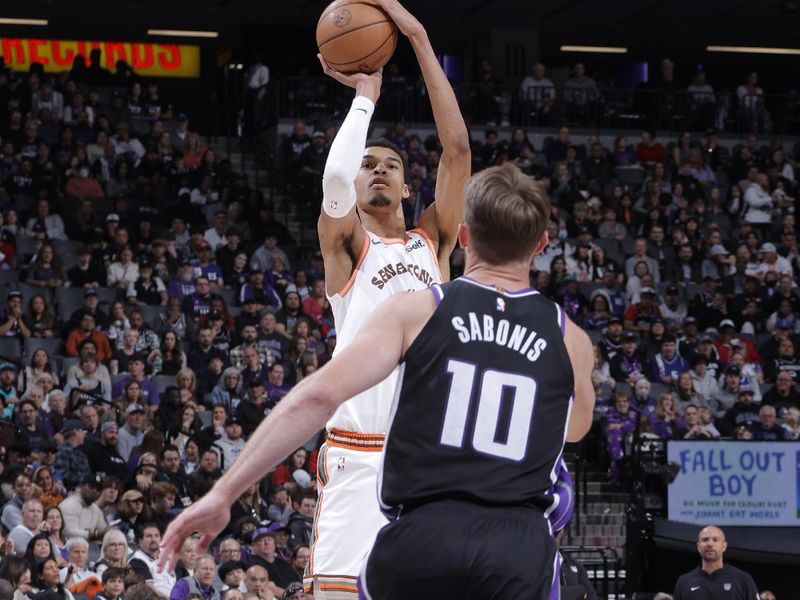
735 483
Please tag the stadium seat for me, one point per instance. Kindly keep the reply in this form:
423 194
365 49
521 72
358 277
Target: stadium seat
67 363
9 349
163 382
25 246
108 295
65 247
632 177
151 313
9 277
69 295
610 246
229 296
65 311
594 335
205 417
52 345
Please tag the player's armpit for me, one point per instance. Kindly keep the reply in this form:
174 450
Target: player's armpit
378 348
581 354
340 241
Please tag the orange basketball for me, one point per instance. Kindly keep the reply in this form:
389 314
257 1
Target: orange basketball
356 36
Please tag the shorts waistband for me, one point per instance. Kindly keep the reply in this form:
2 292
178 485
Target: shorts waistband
452 505
353 440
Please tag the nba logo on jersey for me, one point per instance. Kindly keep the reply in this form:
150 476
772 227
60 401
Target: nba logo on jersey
501 305
340 464
727 587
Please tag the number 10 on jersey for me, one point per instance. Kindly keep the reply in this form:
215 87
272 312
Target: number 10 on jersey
489 398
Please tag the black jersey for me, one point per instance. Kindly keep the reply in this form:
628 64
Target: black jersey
482 405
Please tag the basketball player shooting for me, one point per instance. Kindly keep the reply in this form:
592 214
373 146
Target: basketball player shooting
369 256
493 379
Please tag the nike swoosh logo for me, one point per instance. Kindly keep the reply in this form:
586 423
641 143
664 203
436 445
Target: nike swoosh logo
362 110
376 242
694 588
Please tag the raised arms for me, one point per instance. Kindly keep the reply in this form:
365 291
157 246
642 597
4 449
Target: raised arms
440 221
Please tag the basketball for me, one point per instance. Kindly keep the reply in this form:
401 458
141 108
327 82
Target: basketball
356 37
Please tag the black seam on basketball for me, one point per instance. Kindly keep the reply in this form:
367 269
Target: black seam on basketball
349 62
343 4
338 35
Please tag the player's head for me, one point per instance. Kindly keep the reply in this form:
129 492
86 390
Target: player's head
381 181
505 216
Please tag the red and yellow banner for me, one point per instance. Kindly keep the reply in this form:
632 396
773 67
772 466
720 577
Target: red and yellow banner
150 60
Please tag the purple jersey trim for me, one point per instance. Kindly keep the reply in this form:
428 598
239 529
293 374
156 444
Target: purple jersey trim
562 319
438 295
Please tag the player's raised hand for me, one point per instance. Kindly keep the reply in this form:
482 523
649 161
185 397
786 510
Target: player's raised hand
364 84
207 517
405 21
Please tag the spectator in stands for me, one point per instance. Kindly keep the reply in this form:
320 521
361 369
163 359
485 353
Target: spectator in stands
264 547
649 151
783 396
640 255
665 421
103 455
87 385
619 421
200 582
30 524
628 365
300 524
82 516
45 222
767 429
275 386
131 434
667 366
198 303
147 290
72 465
639 315
539 93
143 561
11 515
742 413
87 331
12 323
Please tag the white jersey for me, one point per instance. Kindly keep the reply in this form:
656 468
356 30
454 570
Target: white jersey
384 268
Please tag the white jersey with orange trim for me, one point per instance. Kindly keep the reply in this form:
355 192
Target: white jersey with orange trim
384 268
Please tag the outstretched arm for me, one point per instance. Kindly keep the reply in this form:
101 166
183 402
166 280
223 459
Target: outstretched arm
441 220
340 232
302 413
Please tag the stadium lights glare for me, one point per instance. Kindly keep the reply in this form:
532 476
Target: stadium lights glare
596 49
753 50
183 33
15 21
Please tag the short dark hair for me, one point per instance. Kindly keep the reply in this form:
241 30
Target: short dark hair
140 529
113 573
169 448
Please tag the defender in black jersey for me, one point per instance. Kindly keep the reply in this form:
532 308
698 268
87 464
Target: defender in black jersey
495 378
473 447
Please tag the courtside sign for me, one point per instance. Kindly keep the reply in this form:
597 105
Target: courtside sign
735 483
146 59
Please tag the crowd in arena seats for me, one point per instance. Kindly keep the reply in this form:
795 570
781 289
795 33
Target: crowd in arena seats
154 311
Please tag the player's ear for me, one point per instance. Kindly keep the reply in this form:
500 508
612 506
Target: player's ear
463 235
545 239
406 192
